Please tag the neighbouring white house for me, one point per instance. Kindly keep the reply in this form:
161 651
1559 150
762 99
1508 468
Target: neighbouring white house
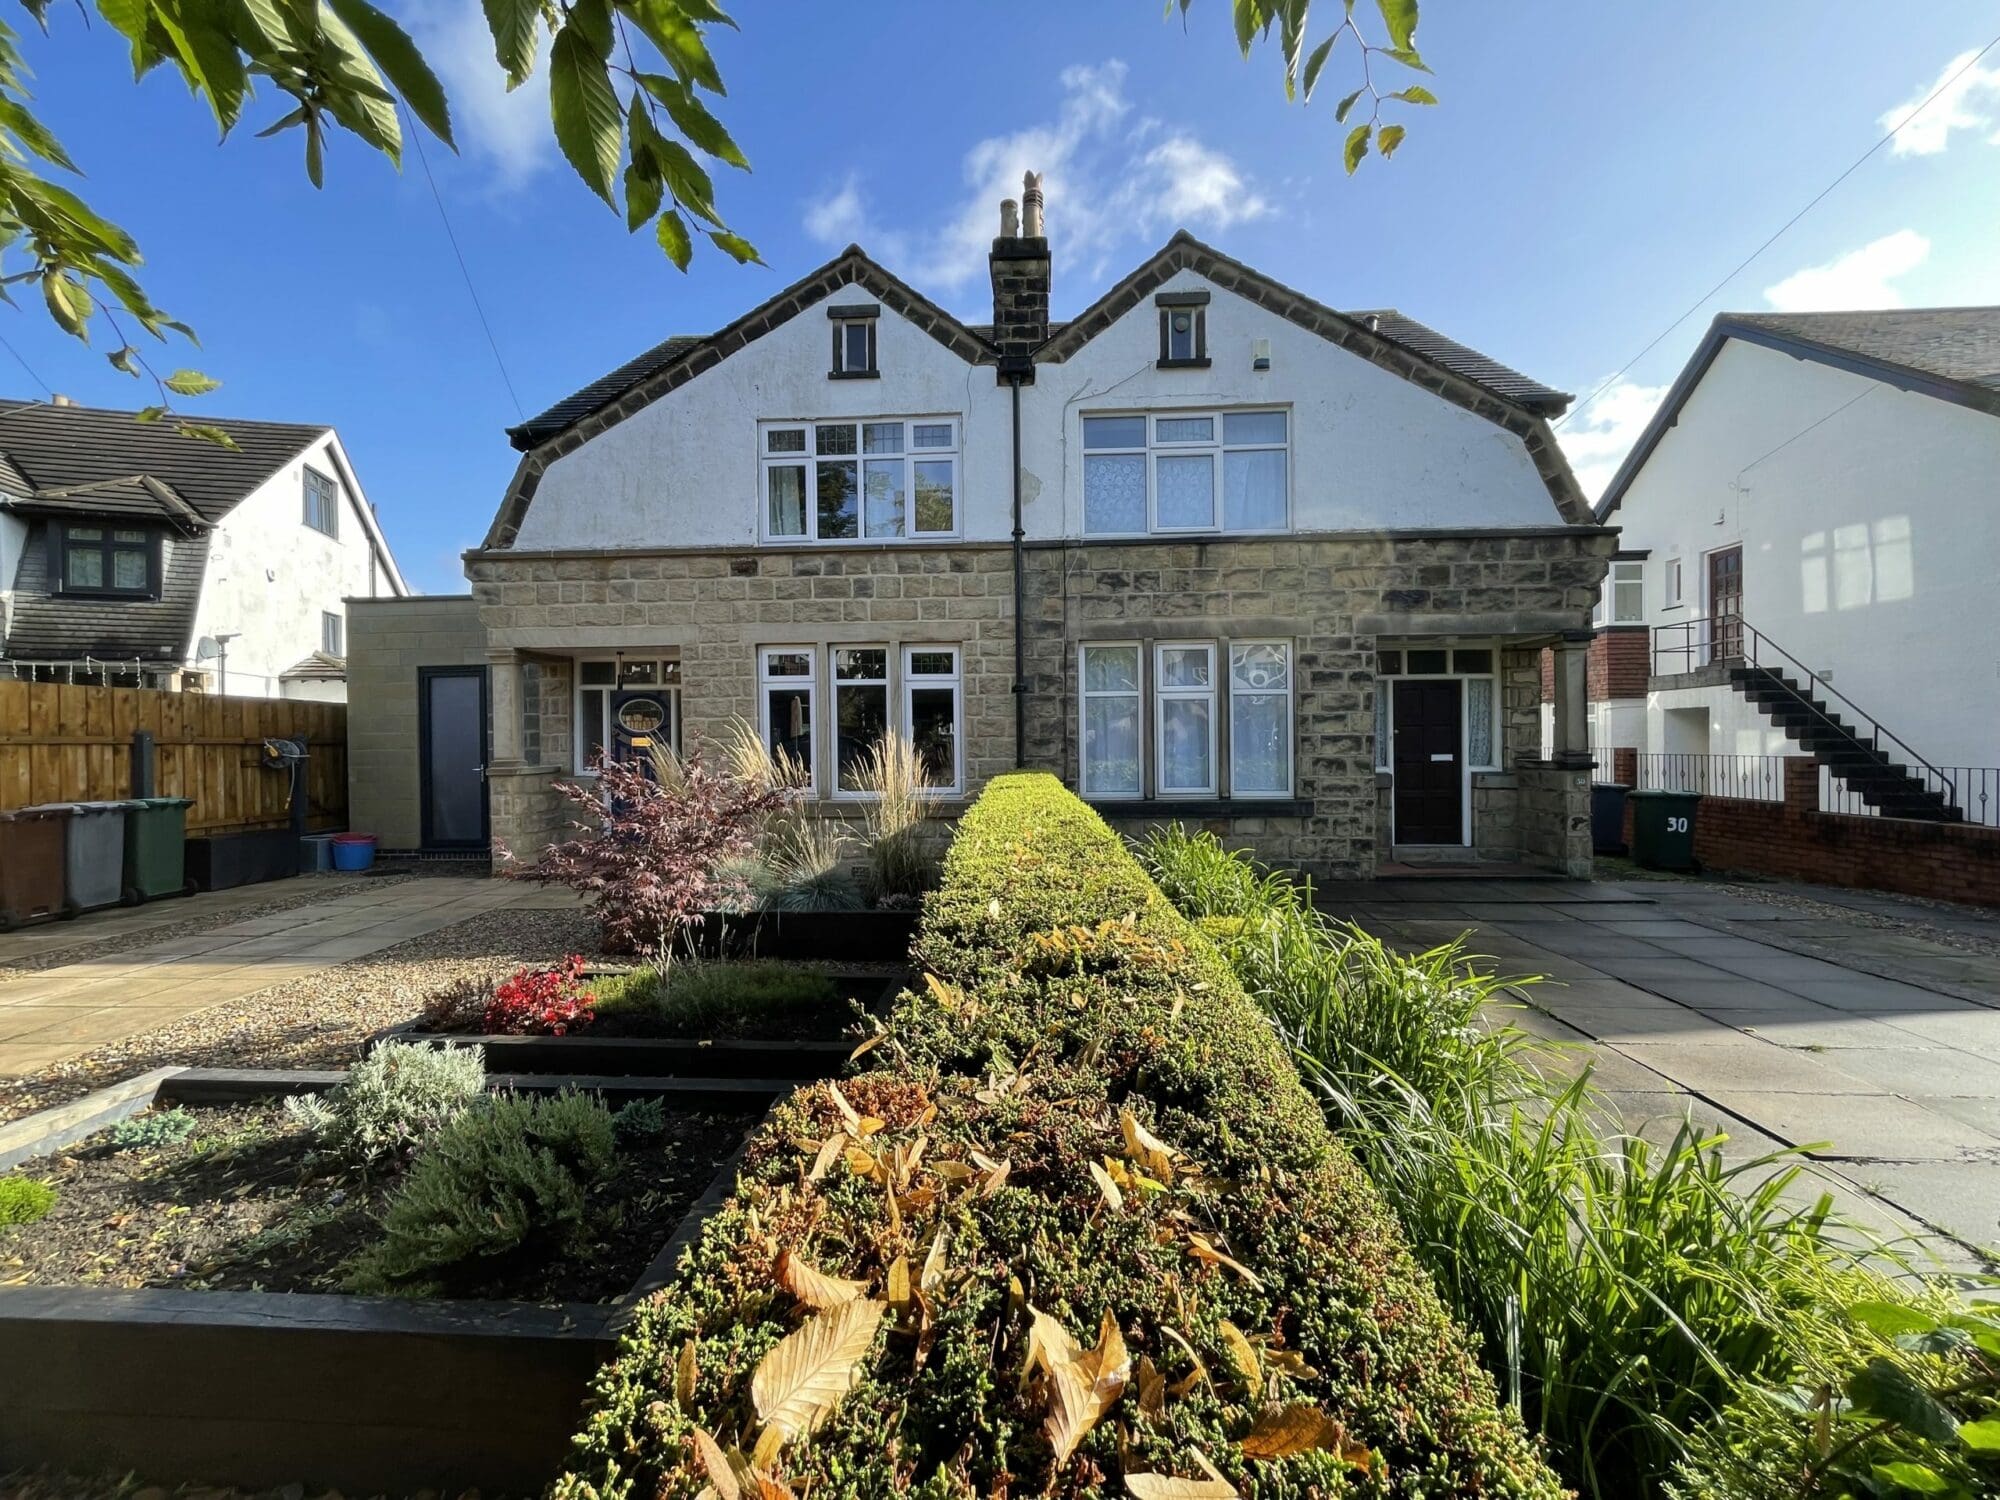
1808 540
133 555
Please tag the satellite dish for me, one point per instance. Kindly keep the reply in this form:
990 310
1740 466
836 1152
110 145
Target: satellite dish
206 647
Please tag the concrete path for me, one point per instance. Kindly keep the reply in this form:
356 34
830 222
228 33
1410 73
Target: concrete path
1876 1049
64 1011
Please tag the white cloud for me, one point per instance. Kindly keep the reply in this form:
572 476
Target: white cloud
1859 279
1969 101
1109 178
1598 437
507 131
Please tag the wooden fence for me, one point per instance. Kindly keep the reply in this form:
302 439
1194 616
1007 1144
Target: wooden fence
62 743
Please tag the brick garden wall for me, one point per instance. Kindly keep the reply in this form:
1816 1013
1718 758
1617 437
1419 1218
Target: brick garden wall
1794 840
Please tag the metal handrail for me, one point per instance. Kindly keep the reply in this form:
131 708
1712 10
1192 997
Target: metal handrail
1733 640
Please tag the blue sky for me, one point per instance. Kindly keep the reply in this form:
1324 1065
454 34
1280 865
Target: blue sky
1590 171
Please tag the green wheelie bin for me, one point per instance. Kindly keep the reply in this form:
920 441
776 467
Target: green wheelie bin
1663 829
156 847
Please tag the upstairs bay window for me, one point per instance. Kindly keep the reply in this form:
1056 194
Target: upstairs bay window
1170 472
889 480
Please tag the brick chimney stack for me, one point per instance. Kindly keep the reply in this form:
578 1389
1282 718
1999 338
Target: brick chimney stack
1021 274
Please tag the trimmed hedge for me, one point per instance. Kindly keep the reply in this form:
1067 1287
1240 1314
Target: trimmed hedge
1064 990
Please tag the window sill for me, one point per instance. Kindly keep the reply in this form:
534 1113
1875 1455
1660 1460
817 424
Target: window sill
1184 364
1200 807
853 374
133 596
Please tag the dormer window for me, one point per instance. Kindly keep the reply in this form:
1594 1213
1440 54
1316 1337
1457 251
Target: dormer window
854 341
1183 330
109 560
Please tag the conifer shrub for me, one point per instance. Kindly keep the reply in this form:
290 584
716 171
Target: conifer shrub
1075 1228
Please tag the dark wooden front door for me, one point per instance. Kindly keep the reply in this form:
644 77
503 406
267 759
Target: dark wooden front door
1430 781
1725 604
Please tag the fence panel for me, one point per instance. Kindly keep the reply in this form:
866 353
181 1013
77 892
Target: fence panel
63 743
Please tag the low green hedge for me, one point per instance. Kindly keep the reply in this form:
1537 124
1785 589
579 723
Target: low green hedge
1261 1285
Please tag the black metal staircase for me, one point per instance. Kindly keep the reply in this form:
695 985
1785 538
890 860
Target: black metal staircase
1900 785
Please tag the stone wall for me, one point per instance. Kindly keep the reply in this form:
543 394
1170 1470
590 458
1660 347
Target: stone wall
1555 818
388 640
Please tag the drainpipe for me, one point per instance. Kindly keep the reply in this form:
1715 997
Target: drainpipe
1020 595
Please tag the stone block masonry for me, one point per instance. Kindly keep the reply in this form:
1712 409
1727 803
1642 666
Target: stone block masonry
388 641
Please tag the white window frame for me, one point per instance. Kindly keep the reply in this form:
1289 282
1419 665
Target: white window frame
766 681
1162 696
670 692
913 681
1217 448
328 489
1290 696
835 683
810 458
1623 570
866 327
1085 693
1676 583
332 633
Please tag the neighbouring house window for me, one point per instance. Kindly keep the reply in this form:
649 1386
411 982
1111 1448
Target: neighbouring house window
860 710
1186 471
1673 581
601 683
107 560
1478 670
853 340
1184 710
932 710
893 479
1112 750
786 692
1260 719
332 634
322 503
1625 588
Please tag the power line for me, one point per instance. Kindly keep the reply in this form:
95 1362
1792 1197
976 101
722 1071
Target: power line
416 135
1744 263
21 360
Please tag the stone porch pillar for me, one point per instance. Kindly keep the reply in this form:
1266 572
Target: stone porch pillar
503 687
1571 747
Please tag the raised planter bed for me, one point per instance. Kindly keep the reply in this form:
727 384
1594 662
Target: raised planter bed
361 1394
841 936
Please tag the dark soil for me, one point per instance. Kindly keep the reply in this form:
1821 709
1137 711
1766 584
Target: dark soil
245 1204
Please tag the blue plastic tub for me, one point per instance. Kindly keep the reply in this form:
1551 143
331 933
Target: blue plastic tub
353 851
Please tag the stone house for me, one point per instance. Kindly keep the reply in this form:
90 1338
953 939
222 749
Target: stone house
1210 550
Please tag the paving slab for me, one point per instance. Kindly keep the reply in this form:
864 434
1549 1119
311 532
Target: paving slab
1848 1126
1735 1062
1725 992
1931 1072
1960 1198
1865 995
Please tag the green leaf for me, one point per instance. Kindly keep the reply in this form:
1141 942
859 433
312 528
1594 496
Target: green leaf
674 239
208 58
401 63
585 110
1245 12
667 28
1316 62
1357 147
203 432
190 383
123 359
1912 1478
514 24
149 414
69 303
33 134
592 19
1889 1318
1416 93
686 180
1346 106
692 119
736 247
1399 17
642 193
1982 1436
315 151
1388 139
1407 56
1883 1388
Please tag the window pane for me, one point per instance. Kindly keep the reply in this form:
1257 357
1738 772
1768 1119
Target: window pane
856 355
934 733
787 484
833 438
1389 663
1265 667
1114 493
789 711
1260 745
84 569
1184 666
594 673
933 664
785 440
590 735
670 672
1111 669
1253 489
788 664
1114 432
1424 662
837 501
1187 490
128 569
128 536
1479 721
936 505
864 718
885 497
1185 429
1184 745
930 435
1253 427
1111 745
882 437
1625 600
854 663
1472 661
86 533
1180 333
1382 725
638 674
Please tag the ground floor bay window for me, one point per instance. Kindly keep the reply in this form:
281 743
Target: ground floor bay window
915 690
1185 720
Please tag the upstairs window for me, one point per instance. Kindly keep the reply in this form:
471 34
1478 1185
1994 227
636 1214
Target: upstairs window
1625 588
1674 595
893 480
322 503
1183 329
332 634
854 341
1186 471
108 560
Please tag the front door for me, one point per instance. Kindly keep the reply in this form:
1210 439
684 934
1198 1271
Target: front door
641 721
451 756
1725 604
1430 781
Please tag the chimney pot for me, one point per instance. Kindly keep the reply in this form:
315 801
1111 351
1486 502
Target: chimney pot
59 399
1010 219
1021 276
1031 204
